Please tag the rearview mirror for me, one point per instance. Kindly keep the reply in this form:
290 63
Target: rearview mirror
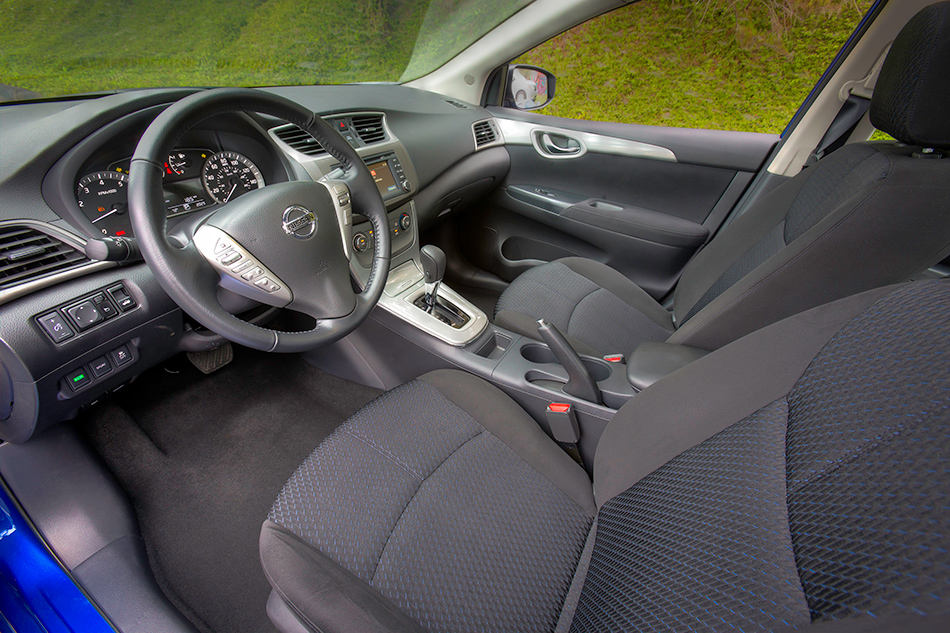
529 88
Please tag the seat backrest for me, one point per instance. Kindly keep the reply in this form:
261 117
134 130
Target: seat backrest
867 215
800 474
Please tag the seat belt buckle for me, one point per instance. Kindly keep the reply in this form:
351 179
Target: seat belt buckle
614 358
564 428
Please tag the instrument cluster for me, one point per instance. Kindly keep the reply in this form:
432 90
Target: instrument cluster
194 178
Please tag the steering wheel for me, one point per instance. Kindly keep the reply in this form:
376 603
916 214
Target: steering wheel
281 245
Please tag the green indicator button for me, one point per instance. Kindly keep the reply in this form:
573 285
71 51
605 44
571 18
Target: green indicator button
79 377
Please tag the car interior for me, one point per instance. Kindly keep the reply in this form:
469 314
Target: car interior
392 357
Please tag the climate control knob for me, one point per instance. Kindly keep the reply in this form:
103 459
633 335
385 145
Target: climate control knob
406 185
360 243
405 221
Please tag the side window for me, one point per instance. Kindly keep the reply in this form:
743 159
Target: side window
712 64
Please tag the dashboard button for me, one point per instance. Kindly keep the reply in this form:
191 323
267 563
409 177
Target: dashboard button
122 297
104 306
121 355
85 315
360 243
56 326
247 263
221 246
100 367
78 379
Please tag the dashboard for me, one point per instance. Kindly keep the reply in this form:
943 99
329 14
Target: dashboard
77 328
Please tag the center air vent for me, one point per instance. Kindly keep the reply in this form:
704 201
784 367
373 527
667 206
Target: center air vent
299 140
27 254
485 133
369 127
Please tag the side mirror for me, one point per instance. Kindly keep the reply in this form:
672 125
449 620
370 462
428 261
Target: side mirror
529 88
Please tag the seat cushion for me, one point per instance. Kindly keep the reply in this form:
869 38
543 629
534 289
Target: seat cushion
597 308
447 500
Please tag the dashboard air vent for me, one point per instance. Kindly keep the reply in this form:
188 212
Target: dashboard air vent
369 127
27 254
485 133
299 140
457 104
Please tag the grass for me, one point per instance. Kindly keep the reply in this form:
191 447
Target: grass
696 63
689 63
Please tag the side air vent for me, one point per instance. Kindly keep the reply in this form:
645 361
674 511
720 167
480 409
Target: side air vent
485 133
369 127
299 140
457 104
27 254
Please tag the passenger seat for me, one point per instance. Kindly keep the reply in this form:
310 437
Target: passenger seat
867 215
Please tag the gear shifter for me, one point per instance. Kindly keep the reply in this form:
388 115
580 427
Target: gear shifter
433 267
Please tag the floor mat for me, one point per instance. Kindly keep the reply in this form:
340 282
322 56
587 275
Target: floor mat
203 458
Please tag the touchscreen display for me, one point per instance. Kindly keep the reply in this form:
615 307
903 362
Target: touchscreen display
383 177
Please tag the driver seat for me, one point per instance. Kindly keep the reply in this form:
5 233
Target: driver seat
797 477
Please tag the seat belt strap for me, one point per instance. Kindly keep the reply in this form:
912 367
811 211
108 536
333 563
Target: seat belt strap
847 119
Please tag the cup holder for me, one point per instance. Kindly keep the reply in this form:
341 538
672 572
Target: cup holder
542 355
538 354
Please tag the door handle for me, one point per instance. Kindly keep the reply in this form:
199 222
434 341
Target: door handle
549 146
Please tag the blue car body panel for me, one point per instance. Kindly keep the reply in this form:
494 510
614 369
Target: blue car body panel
36 593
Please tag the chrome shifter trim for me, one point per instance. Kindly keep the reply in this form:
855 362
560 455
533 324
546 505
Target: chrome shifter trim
406 284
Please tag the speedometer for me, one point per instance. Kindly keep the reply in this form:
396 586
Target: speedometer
228 175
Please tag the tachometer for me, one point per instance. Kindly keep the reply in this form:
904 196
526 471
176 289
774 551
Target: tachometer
228 175
103 197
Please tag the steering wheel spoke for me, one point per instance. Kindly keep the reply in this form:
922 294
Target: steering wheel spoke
239 270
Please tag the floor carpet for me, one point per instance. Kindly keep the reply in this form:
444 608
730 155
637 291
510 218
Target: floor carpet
203 458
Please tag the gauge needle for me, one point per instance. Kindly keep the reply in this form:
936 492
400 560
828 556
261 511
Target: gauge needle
105 215
230 193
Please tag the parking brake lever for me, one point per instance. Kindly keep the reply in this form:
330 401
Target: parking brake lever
579 381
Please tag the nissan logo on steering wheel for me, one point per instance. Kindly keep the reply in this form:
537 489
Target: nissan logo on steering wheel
299 222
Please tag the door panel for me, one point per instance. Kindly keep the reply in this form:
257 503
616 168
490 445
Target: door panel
638 198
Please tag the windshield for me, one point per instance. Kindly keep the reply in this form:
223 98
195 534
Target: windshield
50 49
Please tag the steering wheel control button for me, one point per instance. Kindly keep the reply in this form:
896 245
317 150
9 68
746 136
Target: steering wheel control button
105 306
240 276
299 222
267 285
121 355
222 246
253 273
360 243
242 266
122 298
55 326
100 367
230 258
85 315
77 379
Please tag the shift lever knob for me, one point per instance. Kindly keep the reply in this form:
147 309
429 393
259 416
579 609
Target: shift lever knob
433 263
433 268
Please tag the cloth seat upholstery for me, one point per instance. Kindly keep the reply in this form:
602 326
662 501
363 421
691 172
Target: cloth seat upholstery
867 215
805 480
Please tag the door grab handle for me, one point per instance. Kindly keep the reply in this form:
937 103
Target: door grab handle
549 146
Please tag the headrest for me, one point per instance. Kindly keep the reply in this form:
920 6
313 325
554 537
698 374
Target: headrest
911 100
